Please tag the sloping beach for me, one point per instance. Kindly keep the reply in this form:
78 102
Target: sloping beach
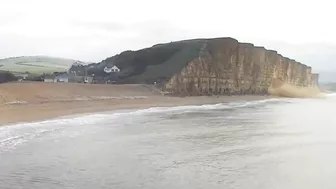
26 102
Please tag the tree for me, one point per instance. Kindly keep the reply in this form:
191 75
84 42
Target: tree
6 76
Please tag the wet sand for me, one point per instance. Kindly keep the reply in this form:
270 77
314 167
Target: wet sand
27 102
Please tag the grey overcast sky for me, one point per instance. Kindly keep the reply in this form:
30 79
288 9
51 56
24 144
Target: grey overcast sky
91 30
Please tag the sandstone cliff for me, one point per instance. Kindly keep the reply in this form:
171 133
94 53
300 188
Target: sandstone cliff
210 66
225 66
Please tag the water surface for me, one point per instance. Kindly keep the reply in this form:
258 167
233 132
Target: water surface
274 143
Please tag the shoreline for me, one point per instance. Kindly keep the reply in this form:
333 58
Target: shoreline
11 114
36 101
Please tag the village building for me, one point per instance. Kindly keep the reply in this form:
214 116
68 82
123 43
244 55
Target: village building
48 79
114 68
88 79
75 78
62 78
59 77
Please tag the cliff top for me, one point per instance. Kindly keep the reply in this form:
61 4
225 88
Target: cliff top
165 59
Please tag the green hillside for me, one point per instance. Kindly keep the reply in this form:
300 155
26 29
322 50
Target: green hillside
35 64
150 64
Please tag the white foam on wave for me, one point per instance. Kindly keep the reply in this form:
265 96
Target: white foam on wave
330 94
13 135
189 108
92 118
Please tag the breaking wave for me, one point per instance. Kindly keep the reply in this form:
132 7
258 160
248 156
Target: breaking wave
92 118
11 136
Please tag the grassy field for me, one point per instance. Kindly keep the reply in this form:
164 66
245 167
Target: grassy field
35 64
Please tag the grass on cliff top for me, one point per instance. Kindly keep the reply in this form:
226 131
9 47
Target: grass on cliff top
159 61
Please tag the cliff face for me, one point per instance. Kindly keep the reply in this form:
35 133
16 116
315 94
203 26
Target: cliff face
314 79
225 66
207 66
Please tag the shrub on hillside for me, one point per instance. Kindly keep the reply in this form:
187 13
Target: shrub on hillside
6 76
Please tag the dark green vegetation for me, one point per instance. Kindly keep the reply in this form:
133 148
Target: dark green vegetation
157 63
6 76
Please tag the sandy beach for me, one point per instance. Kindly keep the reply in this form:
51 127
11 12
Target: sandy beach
27 102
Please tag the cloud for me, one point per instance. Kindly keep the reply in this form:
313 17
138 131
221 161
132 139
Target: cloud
95 29
102 25
320 56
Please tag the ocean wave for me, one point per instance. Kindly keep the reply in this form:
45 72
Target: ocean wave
330 94
231 105
17 134
14 135
92 118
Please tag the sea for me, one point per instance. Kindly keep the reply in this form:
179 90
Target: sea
277 143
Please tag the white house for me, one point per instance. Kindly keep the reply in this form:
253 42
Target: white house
88 79
112 69
48 79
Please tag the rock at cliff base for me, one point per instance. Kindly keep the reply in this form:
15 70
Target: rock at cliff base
279 88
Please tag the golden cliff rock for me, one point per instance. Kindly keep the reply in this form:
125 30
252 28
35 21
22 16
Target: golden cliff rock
219 66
